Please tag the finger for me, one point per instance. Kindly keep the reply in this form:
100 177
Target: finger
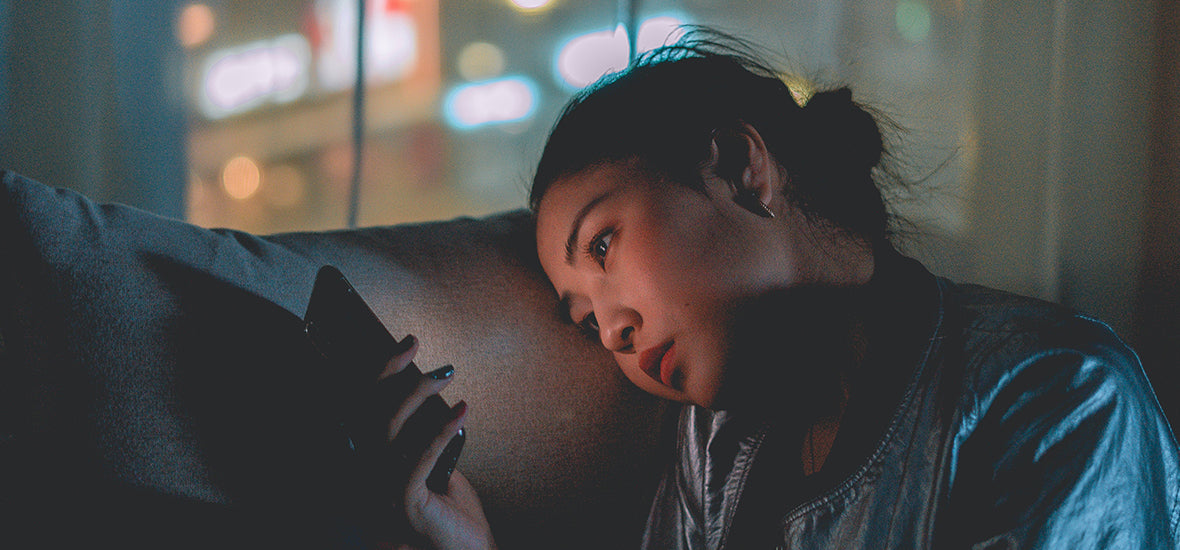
420 473
426 386
400 361
420 428
368 420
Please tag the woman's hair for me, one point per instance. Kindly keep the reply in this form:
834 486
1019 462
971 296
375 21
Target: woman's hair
668 106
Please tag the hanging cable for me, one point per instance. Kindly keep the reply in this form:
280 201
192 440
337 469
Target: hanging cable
358 117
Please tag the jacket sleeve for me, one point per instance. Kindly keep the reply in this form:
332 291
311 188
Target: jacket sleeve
1068 449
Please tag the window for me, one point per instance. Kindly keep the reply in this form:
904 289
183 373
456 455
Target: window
460 94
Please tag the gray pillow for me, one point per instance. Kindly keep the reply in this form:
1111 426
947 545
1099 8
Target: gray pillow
137 355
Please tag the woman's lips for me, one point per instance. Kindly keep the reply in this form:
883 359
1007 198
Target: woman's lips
657 363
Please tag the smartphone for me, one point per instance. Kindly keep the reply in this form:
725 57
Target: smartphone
355 343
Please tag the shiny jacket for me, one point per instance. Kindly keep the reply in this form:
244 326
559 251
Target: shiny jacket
1022 425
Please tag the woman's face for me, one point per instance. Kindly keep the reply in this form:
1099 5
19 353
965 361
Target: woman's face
656 271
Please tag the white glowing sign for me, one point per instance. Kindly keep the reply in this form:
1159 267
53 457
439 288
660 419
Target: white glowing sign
496 101
243 78
586 58
530 4
657 31
239 79
391 43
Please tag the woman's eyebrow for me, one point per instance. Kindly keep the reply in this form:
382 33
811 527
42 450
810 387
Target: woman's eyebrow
576 226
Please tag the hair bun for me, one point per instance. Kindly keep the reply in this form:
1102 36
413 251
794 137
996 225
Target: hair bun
841 132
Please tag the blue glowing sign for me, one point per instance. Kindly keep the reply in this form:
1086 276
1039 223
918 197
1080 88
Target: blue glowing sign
498 101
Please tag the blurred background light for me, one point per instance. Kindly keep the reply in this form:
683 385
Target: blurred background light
195 25
913 20
801 88
657 31
391 42
240 79
498 101
241 177
587 57
480 61
529 5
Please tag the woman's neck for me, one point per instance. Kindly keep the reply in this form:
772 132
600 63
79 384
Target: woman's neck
820 436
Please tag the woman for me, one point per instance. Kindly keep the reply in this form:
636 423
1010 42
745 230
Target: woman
732 249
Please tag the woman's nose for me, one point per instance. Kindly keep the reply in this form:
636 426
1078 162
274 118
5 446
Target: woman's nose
618 328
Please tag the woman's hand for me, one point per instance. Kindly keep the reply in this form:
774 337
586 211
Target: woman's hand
455 519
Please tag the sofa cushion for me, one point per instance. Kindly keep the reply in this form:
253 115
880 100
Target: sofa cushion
138 354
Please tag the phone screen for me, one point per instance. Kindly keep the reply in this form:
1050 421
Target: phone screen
345 330
355 342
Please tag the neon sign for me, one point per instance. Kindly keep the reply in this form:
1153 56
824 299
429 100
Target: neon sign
243 78
497 101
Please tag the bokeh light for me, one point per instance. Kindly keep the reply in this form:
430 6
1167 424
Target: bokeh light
480 61
587 57
913 20
530 5
241 177
239 79
658 31
801 88
195 25
493 102
392 39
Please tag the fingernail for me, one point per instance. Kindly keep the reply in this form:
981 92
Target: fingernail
408 341
441 372
459 409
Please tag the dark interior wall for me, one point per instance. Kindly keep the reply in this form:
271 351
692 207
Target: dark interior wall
1011 244
91 99
52 92
1105 93
1057 193
1158 313
1076 196
4 76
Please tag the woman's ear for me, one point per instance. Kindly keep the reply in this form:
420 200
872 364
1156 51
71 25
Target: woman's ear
739 156
730 155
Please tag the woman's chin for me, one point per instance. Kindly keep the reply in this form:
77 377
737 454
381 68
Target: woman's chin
708 396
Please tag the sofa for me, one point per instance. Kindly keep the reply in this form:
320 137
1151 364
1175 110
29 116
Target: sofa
153 391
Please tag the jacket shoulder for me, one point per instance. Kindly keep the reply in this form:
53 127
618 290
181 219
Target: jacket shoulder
999 330
1047 389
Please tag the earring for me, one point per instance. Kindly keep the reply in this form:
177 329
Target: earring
749 201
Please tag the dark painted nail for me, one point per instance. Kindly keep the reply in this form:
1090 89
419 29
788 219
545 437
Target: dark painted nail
459 409
441 372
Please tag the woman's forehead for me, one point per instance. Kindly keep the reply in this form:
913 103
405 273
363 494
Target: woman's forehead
569 194
568 198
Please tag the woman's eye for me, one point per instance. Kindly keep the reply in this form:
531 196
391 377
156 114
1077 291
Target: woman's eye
599 246
589 325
